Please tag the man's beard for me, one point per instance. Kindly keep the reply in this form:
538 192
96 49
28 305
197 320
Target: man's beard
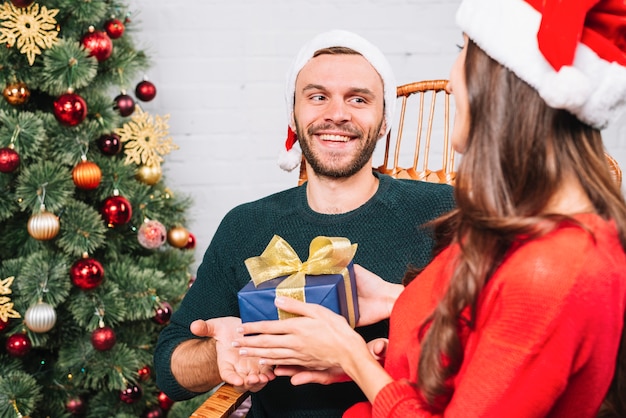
329 166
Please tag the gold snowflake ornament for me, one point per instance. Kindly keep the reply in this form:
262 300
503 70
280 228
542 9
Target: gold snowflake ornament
6 306
146 139
28 29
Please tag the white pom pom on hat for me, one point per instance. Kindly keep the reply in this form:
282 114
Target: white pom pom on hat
572 53
290 156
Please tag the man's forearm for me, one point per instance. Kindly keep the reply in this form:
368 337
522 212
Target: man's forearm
194 365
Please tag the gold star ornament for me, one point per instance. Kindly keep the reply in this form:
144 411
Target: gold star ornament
6 306
147 139
28 28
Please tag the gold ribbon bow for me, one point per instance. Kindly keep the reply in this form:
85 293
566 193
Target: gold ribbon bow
327 255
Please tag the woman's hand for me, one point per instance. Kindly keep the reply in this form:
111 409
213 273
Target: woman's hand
318 339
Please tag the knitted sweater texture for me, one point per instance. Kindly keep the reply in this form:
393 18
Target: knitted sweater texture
389 233
547 331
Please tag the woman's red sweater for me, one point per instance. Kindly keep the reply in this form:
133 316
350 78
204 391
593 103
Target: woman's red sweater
547 331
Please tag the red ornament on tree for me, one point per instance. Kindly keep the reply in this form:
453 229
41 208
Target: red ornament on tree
98 44
4 324
164 402
144 373
86 175
75 405
87 273
124 104
114 28
22 3
70 109
103 338
9 160
163 313
116 210
110 144
18 345
131 394
145 91
191 243
154 412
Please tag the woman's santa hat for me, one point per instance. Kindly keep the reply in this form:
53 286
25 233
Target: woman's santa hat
290 156
572 52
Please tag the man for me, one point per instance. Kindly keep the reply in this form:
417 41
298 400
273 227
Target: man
340 98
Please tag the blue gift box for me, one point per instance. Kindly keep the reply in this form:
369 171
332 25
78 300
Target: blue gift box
256 303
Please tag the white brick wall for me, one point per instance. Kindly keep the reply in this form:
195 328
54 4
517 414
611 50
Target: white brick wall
219 68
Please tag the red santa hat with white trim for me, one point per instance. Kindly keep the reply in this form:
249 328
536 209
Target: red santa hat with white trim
572 52
290 156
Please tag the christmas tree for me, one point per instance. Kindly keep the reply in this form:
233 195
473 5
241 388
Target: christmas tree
94 253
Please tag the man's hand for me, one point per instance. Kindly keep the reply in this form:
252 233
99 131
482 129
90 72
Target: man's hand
243 373
376 296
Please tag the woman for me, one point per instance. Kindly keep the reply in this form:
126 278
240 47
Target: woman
521 313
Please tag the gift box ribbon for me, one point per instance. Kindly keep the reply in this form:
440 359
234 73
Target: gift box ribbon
327 255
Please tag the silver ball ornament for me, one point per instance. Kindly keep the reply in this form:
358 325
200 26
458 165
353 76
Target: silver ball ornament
40 317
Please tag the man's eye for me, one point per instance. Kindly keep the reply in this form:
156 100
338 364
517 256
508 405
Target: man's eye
318 97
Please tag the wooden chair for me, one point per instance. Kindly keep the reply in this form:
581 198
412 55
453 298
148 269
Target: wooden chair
226 400
221 404
428 113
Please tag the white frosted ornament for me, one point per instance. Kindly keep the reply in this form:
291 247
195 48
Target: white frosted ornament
40 317
152 234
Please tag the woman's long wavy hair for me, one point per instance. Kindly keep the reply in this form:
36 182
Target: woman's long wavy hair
518 153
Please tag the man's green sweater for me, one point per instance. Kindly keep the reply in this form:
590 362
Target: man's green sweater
390 236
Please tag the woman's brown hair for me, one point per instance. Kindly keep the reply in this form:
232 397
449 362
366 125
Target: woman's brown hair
518 153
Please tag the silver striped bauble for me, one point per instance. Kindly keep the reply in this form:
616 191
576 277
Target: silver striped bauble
43 226
40 317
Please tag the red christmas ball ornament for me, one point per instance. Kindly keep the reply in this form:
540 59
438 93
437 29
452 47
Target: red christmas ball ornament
164 402
87 273
98 44
109 144
131 394
3 324
70 109
75 405
18 345
124 104
144 373
9 160
22 3
114 28
145 91
103 338
86 175
154 412
191 242
116 210
152 234
163 313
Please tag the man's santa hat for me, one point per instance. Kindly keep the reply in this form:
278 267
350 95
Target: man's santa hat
290 156
572 52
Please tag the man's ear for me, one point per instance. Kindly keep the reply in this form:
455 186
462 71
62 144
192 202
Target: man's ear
383 128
